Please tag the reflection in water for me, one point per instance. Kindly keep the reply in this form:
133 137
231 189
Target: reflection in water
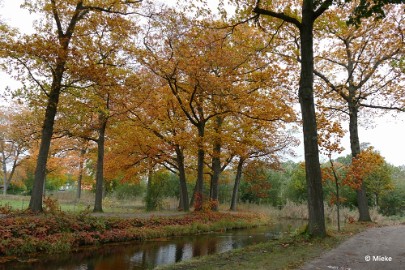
149 254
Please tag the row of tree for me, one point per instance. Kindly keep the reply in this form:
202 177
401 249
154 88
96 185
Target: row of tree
154 86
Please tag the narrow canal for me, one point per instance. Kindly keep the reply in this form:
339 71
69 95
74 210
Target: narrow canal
149 254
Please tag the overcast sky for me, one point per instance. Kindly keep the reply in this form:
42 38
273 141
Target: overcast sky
387 135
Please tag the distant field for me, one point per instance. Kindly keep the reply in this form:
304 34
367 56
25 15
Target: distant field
68 202
15 202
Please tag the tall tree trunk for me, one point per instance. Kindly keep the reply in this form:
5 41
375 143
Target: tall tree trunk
98 204
182 178
80 178
216 162
306 96
362 201
238 177
64 39
198 200
46 137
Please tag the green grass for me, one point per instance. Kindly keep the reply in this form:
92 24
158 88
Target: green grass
14 202
68 203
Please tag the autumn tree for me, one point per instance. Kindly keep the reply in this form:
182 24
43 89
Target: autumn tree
362 56
106 77
15 138
46 60
288 12
369 168
379 182
253 139
83 148
257 185
224 79
157 132
330 135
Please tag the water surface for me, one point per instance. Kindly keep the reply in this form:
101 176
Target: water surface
149 254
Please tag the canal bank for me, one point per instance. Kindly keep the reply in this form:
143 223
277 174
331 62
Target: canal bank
163 251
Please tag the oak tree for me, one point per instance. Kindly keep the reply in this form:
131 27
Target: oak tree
46 59
356 71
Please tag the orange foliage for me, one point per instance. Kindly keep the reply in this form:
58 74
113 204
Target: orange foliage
362 165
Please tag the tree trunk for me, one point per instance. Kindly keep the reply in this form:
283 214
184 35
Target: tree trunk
198 200
180 207
64 40
183 180
216 162
306 96
362 201
98 204
46 137
80 178
337 192
150 205
238 177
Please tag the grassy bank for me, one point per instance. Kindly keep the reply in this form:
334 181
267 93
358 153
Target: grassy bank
67 202
23 234
289 252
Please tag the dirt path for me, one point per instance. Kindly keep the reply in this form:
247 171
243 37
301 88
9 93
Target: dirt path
374 249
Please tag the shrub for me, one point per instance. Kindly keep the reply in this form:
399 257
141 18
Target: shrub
162 184
128 191
393 203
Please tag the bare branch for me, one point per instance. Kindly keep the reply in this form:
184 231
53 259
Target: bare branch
324 6
393 108
278 15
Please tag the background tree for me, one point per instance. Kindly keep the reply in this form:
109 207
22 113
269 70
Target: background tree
253 139
330 135
101 76
296 187
362 57
392 202
15 138
369 164
256 185
379 182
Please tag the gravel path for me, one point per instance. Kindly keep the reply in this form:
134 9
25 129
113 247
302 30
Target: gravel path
374 249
